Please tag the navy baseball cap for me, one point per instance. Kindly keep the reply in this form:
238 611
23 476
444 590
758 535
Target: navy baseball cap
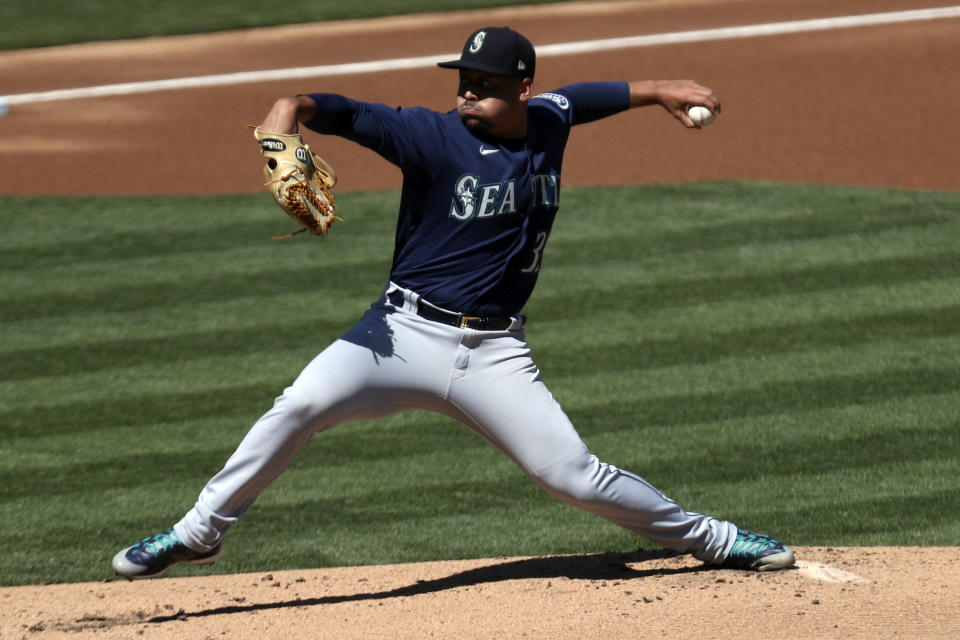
496 50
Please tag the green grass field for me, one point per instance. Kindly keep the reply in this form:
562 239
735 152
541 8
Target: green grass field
785 356
40 23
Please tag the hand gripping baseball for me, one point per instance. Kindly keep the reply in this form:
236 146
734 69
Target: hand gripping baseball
299 181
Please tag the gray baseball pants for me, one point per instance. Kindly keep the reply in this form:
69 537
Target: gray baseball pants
393 360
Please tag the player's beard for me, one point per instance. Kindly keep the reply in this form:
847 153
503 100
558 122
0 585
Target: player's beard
476 126
472 121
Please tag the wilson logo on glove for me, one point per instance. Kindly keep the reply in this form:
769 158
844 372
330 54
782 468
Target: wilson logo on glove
269 144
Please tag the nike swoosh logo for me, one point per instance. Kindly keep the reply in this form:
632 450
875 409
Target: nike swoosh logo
485 152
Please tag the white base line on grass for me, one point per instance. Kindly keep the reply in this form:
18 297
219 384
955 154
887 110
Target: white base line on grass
560 49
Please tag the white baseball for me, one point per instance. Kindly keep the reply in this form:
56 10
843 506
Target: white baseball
701 115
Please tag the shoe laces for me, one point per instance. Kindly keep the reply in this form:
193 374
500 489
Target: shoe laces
753 544
160 543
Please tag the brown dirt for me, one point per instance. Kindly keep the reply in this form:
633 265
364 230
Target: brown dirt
834 593
868 106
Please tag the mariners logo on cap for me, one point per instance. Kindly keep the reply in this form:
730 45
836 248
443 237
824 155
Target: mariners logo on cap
477 41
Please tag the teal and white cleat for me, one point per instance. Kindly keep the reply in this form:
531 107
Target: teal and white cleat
758 552
151 556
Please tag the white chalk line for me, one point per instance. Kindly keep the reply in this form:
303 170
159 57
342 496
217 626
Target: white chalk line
560 49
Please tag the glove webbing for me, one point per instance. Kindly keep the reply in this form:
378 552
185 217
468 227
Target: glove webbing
303 190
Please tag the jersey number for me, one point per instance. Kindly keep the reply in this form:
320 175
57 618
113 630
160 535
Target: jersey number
537 253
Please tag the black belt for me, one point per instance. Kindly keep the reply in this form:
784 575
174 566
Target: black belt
463 321
455 319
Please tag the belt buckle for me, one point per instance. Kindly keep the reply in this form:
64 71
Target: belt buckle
464 322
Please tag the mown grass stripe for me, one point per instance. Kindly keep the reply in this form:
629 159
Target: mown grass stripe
642 353
858 520
633 355
225 225
790 396
795 228
144 410
111 298
664 294
135 409
261 341
744 460
136 227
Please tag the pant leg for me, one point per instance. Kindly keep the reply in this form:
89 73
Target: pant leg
383 365
500 395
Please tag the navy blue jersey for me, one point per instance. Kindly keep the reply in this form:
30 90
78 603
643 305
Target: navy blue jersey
475 212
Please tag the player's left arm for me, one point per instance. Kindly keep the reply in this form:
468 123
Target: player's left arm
675 96
287 113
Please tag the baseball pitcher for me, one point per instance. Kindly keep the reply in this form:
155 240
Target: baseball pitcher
481 190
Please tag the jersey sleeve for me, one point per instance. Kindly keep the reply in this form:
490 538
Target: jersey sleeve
401 136
584 102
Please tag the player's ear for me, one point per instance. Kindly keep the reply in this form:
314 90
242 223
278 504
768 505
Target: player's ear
526 89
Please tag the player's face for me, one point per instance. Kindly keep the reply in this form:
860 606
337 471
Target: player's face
493 104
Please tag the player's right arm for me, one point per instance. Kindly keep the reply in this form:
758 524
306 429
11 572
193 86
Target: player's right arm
674 96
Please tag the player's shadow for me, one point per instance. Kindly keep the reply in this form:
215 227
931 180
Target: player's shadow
601 566
373 333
